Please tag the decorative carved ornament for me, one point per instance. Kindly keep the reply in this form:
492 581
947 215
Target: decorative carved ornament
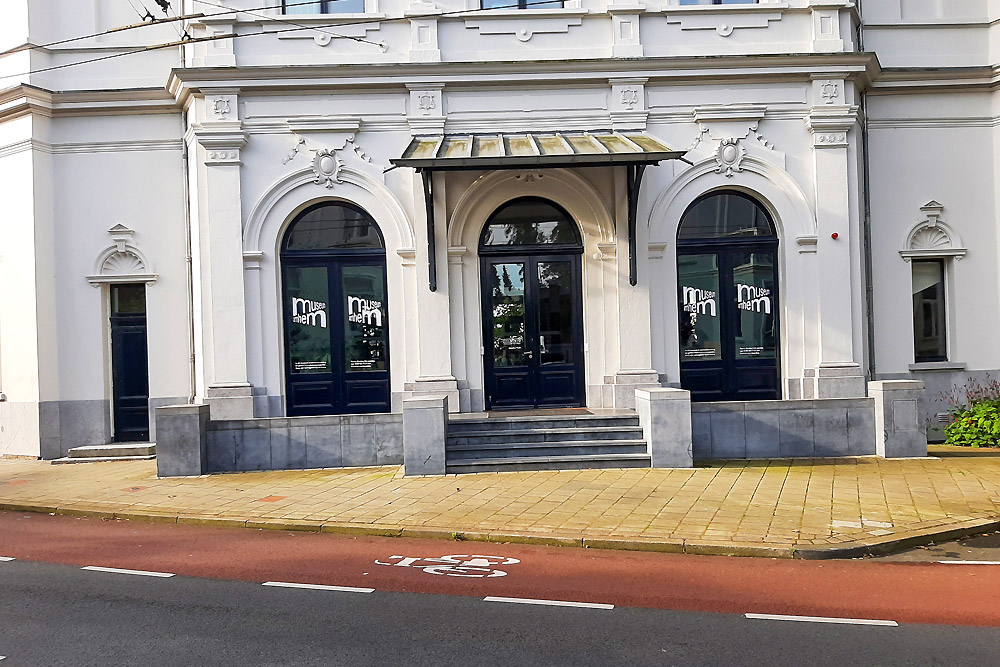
830 91
932 237
729 157
121 262
327 163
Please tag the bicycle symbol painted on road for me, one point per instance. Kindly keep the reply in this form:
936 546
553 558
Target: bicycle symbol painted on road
458 565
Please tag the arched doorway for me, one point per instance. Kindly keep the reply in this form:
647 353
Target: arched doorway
335 310
727 283
530 251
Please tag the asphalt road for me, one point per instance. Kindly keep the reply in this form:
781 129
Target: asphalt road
423 609
61 615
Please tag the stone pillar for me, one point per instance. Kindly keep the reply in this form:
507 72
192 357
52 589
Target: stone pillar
181 436
434 364
831 121
425 427
665 417
217 229
899 428
630 312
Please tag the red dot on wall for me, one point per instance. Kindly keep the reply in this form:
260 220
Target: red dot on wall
835 236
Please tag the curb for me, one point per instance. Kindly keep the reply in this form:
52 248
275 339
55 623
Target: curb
849 549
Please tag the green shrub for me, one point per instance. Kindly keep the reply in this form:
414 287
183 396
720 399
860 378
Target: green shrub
975 414
976 426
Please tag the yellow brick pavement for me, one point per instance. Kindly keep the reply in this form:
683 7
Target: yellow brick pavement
730 506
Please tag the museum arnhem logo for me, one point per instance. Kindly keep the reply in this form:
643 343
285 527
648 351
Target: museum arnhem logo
748 297
700 301
753 298
364 311
308 312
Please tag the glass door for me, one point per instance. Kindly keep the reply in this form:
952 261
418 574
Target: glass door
336 337
532 331
727 303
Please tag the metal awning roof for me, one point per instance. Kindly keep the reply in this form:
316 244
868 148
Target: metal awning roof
511 150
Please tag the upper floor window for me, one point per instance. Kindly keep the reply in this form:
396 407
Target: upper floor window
324 6
521 4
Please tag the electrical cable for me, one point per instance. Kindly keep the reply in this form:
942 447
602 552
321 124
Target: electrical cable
229 36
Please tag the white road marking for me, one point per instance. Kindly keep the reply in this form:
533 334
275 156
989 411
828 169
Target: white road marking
5 559
822 619
116 570
970 562
320 587
554 603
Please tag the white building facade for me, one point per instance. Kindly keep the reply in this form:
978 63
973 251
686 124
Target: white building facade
327 208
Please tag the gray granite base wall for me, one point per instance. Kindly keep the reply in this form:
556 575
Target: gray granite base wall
292 443
783 429
939 384
63 425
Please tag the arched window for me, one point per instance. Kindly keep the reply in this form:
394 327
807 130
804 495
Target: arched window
728 307
333 226
725 215
530 221
336 312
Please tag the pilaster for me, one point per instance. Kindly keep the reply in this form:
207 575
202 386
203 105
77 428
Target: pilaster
217 227
831 122
434 358
625 42
423 18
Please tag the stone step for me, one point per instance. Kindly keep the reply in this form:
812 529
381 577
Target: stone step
581 462
462 425
461 453
545 435
113 450
100 459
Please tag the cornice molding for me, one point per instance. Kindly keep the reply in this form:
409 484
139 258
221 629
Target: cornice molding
857 67
27 99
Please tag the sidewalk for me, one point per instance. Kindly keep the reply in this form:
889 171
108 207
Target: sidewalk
808 508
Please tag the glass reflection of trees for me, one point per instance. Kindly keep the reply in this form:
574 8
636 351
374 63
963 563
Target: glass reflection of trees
508 314
530 221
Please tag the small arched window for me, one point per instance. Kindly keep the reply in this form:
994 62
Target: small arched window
725 215
530 221
333 226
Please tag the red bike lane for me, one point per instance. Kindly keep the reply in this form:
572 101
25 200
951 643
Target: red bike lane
867 589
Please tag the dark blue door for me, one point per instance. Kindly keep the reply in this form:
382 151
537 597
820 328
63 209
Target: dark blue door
335 312
129 363
727 296
532 307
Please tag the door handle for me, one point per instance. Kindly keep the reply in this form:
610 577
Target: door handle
528 353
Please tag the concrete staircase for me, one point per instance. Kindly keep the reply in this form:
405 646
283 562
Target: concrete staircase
118 451
478 443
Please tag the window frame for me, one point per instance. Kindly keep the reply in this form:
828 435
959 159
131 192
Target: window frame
945 324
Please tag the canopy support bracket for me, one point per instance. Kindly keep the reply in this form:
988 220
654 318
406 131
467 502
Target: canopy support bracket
633 181
427 178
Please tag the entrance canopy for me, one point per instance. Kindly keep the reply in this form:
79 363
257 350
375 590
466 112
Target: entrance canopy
535 150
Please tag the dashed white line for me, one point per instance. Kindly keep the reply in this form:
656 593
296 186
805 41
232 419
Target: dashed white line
319 587
553 603
970 562
822 619
6 559
116 570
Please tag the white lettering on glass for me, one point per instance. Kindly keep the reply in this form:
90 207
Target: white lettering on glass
751 297
699 301
308 312
364 311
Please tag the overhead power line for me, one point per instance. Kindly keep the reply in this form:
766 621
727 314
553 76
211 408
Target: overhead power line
182 42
